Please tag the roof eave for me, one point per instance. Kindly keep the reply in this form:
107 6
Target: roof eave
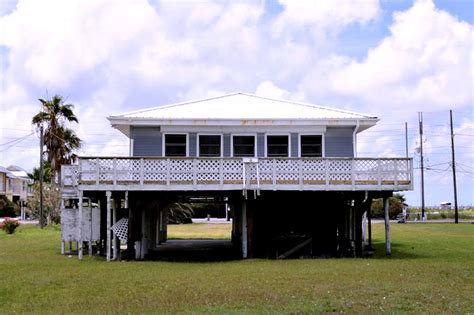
123 123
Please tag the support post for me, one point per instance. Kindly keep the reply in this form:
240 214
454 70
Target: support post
369 227
108 241
115 253
388 242
91 226
244 229
80 242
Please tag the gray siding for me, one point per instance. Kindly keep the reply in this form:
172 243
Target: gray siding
338 142
226 140
260 144
147 141
294 143
192 141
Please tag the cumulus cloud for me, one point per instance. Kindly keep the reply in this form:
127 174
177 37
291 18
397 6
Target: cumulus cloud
425 62
270 90
319 16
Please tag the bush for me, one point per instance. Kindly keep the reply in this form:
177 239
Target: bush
396 205
9 225
8 208
180 213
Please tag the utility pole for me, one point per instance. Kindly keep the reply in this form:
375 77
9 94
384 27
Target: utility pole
453 164
420 118
406 139
41 221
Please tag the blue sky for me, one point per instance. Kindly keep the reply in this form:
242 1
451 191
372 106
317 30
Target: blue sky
389 58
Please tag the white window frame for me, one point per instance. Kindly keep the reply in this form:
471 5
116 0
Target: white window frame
277 134
244 135
163 143
198 151
323 152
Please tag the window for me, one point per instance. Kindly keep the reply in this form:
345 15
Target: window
175 145
210 145
311 146
277 146
244 145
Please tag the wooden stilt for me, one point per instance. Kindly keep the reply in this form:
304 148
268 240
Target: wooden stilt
108 240
114 220
369 227
388 244
244 229
80 242
91 228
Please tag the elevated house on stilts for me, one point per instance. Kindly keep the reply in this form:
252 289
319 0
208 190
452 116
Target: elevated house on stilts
289 171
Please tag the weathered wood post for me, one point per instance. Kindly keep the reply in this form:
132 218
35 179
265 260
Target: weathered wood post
115 242
91 227
79 243
388 244
244 229
108 194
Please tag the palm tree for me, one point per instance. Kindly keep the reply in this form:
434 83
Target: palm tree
59 140
35 175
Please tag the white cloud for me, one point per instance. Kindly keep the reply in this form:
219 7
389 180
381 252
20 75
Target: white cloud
270 90
53 42
319 16
426 62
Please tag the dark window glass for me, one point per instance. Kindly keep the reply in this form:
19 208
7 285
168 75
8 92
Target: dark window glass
175 145
311 146
277 146
210 145
244 146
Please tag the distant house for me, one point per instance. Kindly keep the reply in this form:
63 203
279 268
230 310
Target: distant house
15 185
288 169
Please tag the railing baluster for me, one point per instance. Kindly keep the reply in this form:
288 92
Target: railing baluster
97 171
379 174
168 172
141 171
114 165
326 171
221 173
195 161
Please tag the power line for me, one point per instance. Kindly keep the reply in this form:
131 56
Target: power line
17 139
13 143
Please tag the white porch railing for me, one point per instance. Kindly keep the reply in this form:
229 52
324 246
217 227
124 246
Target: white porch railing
157 173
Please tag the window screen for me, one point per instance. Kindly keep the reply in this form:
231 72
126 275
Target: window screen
311 146
244 145
277 146
175 145
210 145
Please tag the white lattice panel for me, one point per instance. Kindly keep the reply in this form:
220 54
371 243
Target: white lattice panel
120 229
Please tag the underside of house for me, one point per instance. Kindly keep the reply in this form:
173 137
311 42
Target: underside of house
281 208
287 170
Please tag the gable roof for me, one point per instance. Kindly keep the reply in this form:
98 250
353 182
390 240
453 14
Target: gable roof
237 106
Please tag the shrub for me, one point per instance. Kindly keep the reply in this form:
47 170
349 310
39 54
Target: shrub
9 225
8 208
396 205
180 213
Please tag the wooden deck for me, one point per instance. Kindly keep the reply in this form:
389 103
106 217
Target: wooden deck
210 174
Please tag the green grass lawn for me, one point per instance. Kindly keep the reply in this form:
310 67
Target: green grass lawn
431 271
200 231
